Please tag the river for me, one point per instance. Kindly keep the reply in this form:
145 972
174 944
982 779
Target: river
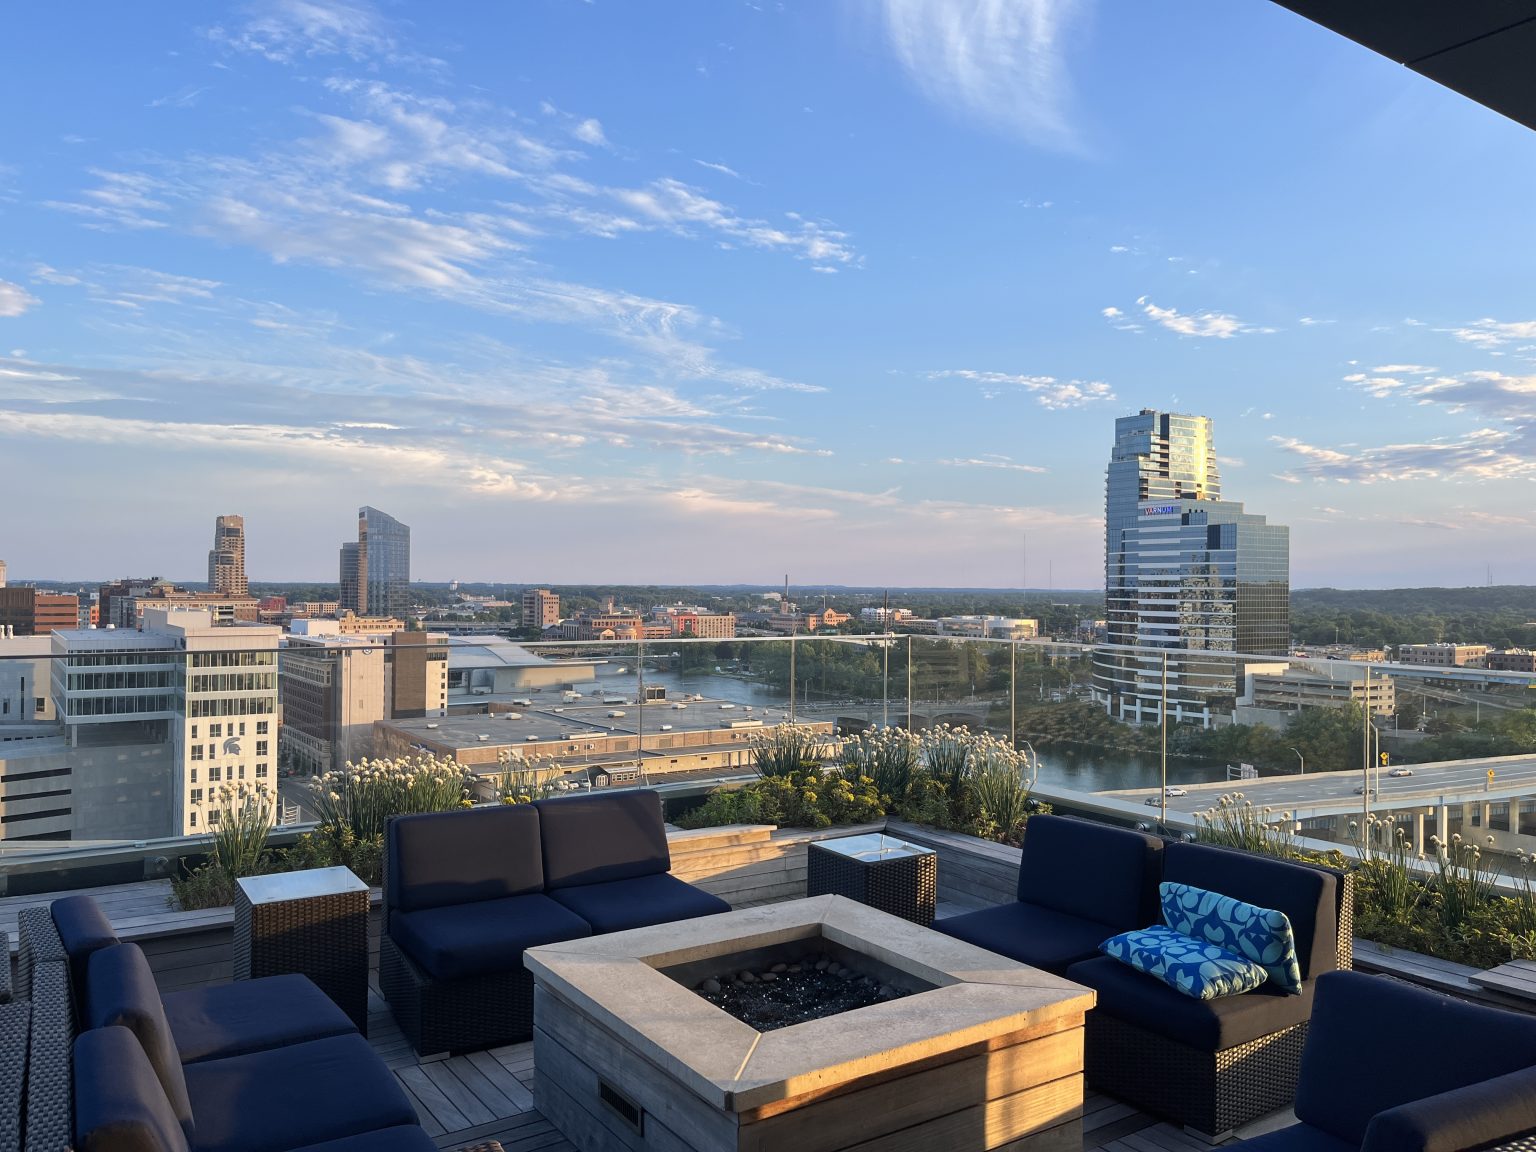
1081 769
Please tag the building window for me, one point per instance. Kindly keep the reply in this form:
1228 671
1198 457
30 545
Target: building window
215 730
214 775
192 819
242 771
261 747
197 795
242 727
213 817
194 775
197 751
261 727
194 731
261 771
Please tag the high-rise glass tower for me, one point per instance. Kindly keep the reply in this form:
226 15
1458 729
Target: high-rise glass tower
1185 573
386 544
226 559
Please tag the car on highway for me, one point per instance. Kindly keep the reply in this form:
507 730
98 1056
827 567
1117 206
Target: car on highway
1155 802
1360 791
1401 772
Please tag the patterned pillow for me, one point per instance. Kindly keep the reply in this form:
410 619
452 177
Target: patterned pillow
1185 964
1262 935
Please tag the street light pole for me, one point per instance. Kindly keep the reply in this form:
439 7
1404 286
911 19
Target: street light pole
1303 769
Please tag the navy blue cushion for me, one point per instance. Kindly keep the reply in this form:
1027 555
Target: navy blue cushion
1365 1049
83 929
623 904
1091 870
121 990
119 1104
597 838
1205 1025
440 858
1295 1138
488 936
285 1098
407 1139
1308 896
210 1022
1029 934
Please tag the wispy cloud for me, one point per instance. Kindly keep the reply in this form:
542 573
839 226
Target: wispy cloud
1218 325
288 31
14 299
1005 463
1003 61
183 98
1048 391
1490 334
129 200
721 168
590 131
1481 455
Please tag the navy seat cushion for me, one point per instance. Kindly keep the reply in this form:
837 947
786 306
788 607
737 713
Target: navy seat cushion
1091 870
1308 896
619 905
488 936
1032 935
121 990
439 858
591 839
411 1138
83 929
210 1022
1295 1138
285 1098
1364 1052
119 1104
1205 1025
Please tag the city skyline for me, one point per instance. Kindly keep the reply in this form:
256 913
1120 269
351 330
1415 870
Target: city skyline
584 297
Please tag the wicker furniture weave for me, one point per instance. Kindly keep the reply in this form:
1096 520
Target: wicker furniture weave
15 1023
488 1146
1210 1092
38 941
5 968
457 1015
313 922
49 1116
878 870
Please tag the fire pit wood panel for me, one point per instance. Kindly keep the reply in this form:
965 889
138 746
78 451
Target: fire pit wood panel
627 1057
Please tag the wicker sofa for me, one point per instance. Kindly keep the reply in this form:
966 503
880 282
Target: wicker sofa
466 893
195 1069
1389 1067
1214 1065
1079 882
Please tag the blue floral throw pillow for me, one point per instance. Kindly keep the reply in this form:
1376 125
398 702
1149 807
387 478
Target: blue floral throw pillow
1262 935
1185 964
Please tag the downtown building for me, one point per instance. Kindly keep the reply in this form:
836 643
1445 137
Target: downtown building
226 559
1191 581
375 572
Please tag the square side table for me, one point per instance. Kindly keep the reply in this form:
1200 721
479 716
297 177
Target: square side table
878 870
313 922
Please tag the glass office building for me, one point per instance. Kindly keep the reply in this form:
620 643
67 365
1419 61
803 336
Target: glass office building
386 544
1183 569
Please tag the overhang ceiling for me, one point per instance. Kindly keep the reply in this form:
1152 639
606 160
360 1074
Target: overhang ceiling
1484 49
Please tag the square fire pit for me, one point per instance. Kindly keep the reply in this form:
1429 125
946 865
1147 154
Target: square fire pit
971 1050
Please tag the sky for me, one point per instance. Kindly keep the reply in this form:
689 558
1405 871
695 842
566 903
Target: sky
719 290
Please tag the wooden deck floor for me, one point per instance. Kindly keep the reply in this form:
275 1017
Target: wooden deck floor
489 1096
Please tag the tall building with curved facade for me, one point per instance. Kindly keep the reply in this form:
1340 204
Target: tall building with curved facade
226 559
1188 577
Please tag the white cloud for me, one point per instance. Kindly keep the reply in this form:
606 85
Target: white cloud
1403 369
287 31
590 131
992 461
722 168
1048 391
1112 312
1480 455
1000 60
14 299
49 275
1490 334
1214 324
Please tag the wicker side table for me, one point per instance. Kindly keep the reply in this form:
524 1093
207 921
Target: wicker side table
878 870
313 922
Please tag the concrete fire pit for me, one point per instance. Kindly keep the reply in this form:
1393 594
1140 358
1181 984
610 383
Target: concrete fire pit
983 1053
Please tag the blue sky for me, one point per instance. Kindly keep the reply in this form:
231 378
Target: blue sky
714 290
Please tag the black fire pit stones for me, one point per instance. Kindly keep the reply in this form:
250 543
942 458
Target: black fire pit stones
792 992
